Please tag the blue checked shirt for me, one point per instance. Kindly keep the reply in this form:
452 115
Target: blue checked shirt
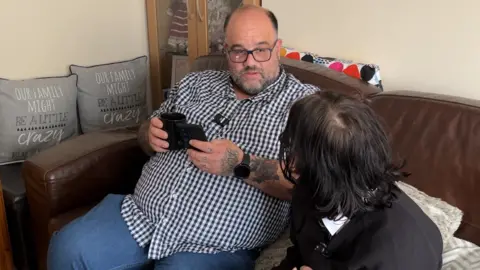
176 207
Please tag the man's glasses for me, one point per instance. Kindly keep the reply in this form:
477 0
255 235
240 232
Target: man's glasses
259 54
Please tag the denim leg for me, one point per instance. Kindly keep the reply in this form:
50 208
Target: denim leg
99 240
240 260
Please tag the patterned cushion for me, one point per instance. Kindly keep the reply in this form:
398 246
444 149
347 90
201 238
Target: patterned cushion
461 255
112 95
36 114
369 73
445 216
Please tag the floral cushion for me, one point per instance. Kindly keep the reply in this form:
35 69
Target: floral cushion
368 73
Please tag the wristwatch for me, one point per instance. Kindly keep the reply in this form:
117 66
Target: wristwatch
242 170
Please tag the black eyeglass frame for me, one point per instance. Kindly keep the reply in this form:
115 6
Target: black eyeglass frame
251 52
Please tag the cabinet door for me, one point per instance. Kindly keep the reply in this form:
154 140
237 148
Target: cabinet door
169 35
183 29
253 2
210 18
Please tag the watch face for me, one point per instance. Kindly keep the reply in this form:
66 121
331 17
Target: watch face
242 171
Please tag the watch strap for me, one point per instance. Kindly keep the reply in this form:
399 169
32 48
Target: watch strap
242 170
246 159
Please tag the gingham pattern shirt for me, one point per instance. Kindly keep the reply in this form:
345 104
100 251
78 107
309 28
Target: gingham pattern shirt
176 207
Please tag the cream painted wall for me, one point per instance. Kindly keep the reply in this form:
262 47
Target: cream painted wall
41 38
423 45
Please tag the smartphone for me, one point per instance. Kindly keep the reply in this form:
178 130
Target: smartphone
191 132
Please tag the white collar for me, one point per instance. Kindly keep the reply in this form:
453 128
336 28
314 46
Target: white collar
334 225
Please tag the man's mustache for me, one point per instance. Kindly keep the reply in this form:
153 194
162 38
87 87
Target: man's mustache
251 69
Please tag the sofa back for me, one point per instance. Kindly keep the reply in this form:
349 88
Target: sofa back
318 75
439 137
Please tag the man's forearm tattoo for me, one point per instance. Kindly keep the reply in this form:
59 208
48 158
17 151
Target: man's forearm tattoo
263 170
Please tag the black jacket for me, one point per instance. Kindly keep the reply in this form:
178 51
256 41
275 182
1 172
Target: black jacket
398 238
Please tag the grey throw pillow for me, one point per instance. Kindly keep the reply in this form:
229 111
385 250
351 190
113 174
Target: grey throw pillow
112 96
36 114
447 217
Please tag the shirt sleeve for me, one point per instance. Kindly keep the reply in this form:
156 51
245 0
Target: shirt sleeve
176 91
311 89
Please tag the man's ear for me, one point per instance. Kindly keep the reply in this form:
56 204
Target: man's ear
279 43
279 46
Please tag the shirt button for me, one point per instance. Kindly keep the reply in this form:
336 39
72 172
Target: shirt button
322 248
174 196
164 221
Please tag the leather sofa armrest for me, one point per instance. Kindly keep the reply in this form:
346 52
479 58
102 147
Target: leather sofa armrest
82 170
77 174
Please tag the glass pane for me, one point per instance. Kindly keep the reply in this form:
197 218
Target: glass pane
217 12
173 40
175 20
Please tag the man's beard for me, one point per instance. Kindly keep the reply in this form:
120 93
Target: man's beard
251 90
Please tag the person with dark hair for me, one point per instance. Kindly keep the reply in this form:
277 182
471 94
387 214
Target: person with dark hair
347 211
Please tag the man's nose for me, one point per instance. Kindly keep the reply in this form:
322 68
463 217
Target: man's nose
250 61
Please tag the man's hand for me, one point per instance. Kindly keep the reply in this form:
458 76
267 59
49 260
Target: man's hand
157 136
221 156
216 157
303 268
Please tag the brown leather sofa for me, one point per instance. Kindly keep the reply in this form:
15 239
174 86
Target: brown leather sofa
67 180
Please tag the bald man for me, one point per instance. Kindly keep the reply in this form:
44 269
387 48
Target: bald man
210 208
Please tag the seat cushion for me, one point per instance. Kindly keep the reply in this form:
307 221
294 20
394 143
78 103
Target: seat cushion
61 220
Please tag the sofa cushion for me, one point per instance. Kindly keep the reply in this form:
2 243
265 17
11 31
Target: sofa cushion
445 216
369 73
36 114
460 254
113 95
57 222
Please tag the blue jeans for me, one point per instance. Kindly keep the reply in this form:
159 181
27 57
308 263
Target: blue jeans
100 240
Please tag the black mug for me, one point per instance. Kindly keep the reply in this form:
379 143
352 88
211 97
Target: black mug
170 121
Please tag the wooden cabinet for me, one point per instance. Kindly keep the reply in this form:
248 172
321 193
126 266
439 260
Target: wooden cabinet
191 28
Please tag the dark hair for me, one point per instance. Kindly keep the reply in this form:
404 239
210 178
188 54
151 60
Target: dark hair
270 15
337 146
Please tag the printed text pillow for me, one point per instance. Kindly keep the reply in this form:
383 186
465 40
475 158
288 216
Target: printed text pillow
36 114
112 95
